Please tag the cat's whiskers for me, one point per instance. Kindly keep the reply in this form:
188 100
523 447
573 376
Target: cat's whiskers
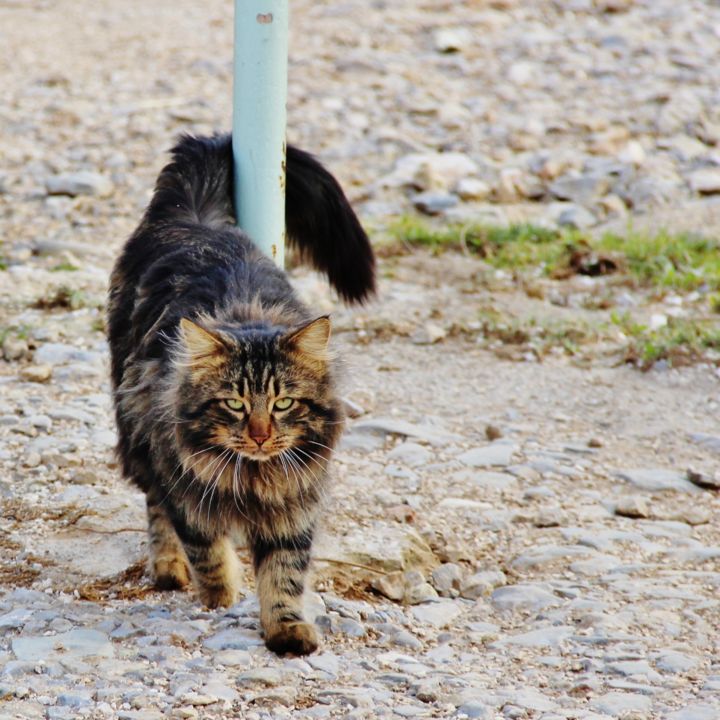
320 444
216 483
236 489
317 484
187 470
208 485
296 477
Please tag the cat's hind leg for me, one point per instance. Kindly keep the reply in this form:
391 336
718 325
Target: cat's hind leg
168 562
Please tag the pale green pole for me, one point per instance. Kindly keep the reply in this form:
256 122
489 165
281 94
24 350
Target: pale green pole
259 121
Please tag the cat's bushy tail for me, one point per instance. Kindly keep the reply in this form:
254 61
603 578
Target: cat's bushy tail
197 186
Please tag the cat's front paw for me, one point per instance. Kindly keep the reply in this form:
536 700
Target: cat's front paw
220 596
170 573
295 638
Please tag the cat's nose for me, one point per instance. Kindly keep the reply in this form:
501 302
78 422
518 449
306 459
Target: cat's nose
258 431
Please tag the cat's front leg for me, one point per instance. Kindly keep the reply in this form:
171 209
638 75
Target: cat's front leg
214 563
281 563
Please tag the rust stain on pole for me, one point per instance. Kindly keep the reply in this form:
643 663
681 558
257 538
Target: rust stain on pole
265 19
273 250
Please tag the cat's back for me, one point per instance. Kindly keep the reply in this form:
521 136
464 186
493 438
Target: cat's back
171 270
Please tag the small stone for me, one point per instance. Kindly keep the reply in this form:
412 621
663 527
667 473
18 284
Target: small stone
695 711
327 662
632 154
442 171
657 479
233 639
705 181
523 72
523 597
614 6
14 348
429 334
580 189
632 506
36 373
447 578
475 710
434 203
260 676
42 422
551 636
83 182
78 643
675 662
420 593
451 40
515 184
619 704
473 189
481 584
704 480
499 454
31 459
438 614
411 454
577 217
391 585
492 432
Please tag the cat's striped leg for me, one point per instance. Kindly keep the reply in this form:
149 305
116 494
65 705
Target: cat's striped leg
168 564
213 563
281 563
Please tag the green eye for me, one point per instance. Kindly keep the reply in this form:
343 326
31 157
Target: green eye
234 404
283 403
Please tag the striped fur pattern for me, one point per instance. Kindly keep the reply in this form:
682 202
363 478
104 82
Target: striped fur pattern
224 385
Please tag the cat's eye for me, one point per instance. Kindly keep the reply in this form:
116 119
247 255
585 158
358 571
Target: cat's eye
235 404
283 403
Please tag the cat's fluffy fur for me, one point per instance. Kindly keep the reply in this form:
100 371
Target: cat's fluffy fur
223 381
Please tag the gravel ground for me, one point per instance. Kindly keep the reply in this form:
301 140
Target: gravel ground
510 534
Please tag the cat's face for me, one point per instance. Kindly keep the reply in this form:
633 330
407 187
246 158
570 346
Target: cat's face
258 393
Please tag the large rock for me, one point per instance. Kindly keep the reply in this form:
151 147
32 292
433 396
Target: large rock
383 546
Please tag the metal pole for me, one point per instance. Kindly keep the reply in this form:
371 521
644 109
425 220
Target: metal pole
259 121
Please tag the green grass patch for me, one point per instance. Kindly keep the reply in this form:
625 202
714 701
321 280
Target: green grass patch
681 342
64 267
681 262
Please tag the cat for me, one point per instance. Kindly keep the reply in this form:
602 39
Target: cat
224 382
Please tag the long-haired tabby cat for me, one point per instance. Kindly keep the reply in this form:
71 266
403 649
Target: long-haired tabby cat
225 400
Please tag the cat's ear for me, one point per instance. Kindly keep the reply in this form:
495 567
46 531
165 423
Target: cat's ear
204 348
310 342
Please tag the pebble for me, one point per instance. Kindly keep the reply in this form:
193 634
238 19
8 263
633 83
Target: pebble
481 584
524 597
82 182
438 614
36 373
446 579
632 506
77 643
705 181
617 704
433 202
498 454
657 479
451 39
411 454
